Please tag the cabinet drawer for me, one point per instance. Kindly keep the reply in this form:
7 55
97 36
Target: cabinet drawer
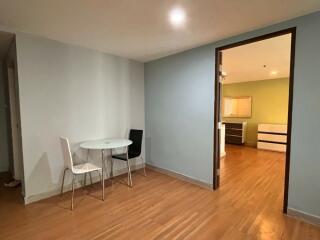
272 146
234 139
236 132
272 137
273 128
233 125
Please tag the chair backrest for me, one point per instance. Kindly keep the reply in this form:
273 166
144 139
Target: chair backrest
135 136
67 156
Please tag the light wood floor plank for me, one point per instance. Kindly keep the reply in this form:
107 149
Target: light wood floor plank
247 206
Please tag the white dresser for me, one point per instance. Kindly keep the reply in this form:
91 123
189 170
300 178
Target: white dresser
222 140
272 137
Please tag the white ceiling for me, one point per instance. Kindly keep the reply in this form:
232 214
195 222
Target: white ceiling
5 41
139 29
257 61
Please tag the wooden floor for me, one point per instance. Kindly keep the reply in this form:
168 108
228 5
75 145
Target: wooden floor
247 206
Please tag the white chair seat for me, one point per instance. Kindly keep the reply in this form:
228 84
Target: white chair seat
85 168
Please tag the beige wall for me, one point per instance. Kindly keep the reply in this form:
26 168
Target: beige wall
269 103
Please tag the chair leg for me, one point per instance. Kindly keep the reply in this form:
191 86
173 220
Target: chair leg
144 166
105 165
111 169
129 174
64 173
100 176
128 180
101 179
90 178
73 181
85 180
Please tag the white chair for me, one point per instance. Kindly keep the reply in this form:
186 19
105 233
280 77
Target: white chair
79 169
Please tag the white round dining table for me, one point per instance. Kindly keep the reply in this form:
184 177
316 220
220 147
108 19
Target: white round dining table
104 145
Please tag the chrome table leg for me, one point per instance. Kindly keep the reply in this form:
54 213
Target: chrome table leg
102 165
73 179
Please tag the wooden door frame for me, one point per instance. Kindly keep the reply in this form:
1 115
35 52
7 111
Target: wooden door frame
216 150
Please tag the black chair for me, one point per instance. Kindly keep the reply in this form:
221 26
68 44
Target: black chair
134 151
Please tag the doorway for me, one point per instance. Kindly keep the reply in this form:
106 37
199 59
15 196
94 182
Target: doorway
11 173
221 104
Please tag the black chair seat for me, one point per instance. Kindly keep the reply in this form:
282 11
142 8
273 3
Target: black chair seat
123 156
120 156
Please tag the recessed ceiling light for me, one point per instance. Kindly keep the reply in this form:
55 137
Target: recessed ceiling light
177 17
274 72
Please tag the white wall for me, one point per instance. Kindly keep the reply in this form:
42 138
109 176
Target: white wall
75 92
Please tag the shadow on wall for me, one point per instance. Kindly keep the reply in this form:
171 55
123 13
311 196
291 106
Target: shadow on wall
40 171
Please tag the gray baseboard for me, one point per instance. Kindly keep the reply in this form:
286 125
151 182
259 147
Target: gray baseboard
67 187
180 177
313 219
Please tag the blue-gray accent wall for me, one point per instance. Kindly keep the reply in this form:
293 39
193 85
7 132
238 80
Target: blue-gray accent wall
179 111
179 103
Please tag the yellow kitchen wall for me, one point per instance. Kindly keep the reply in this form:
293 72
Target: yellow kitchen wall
269 103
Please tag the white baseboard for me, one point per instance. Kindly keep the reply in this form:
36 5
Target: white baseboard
67 187
307 217
181 177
